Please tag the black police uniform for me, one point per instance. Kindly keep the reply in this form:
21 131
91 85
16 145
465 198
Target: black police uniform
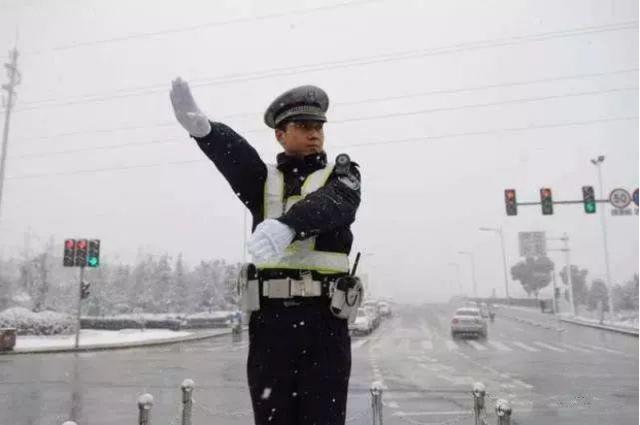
299 353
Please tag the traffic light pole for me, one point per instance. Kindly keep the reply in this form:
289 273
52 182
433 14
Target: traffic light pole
605 243
79 305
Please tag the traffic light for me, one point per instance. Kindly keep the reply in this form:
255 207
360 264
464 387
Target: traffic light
589 199
510 201
546 201
84 289
81 253
69 253
93 257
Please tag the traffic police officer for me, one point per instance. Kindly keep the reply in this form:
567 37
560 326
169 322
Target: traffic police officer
299 352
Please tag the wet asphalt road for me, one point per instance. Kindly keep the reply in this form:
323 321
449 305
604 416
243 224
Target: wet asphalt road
552 373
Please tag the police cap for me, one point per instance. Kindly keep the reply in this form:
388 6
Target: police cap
301 103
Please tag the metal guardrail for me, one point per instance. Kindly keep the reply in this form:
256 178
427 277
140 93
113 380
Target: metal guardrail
145 404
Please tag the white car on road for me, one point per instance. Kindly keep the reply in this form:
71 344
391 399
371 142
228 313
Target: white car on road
363 325
467 321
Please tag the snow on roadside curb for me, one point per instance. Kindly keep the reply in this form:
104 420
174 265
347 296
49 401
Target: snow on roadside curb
95 337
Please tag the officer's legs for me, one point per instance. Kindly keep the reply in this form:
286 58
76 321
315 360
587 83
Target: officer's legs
270 368
324 380
298 367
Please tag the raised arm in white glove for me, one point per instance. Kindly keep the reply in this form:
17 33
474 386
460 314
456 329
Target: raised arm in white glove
269 241
186 110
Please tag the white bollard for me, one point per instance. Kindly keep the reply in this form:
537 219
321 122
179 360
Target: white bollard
479 393
187 400
503 411
376 402
145 403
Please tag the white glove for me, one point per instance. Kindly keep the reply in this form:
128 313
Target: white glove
269 241
186 110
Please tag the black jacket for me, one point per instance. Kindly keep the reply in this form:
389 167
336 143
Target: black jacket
326 213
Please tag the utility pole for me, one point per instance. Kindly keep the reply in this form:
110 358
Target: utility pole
14 80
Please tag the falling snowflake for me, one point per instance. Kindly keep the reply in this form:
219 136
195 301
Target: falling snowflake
266 393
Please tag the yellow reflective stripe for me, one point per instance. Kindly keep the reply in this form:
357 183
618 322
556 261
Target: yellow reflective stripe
273 193
316 180
300 254
291 200
323 262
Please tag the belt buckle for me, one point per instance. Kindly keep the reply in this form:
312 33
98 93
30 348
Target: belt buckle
312 288
298 288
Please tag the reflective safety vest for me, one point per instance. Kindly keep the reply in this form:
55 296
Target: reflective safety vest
300 255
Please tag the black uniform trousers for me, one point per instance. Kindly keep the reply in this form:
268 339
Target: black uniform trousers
299 364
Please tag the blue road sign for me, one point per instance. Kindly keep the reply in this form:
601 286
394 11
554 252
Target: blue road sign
635 197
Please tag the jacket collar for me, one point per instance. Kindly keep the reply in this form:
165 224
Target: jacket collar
302 165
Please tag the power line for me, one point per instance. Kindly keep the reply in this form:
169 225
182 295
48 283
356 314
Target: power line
172 123
323 66
197 27
356 145
356 119
487 132
482 105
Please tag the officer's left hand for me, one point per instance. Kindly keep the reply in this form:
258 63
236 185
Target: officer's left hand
269 241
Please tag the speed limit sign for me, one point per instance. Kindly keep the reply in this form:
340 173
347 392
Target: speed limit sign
620 198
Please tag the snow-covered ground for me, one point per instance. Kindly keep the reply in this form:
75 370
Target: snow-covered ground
626 319
92 337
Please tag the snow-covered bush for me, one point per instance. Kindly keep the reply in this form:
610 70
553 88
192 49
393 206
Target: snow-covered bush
43 323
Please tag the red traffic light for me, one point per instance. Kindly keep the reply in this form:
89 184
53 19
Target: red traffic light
546 192
69 243
82 244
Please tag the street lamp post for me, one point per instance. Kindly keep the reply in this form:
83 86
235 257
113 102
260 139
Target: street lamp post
473 271
457 267
504 256
598 163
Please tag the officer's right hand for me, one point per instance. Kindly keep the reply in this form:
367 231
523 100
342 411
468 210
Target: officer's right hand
186 110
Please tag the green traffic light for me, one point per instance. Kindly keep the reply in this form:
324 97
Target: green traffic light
93 262
590 208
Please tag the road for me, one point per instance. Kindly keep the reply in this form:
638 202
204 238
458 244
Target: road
552 373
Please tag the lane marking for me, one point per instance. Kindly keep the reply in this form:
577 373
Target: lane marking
549 347
392 404
574 347
500 346
522 384
525 346
451 345
434 413
427 345
606 350
476 345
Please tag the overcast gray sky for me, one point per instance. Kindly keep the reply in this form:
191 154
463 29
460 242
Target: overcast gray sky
444 104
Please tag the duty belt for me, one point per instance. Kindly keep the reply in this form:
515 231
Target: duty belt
289 288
